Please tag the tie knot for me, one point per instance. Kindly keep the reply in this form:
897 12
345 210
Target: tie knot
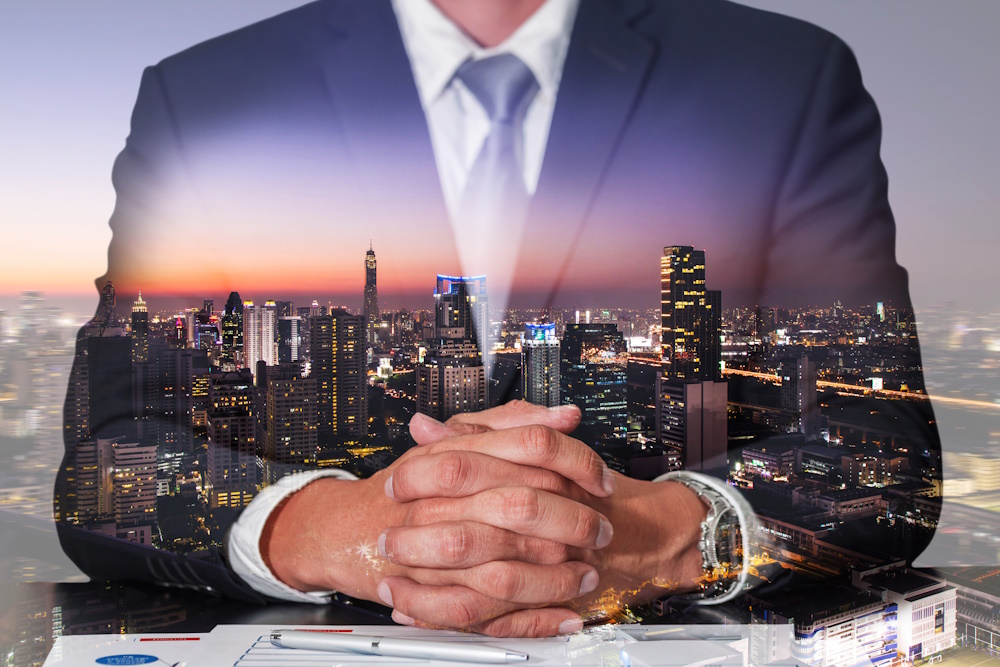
503 85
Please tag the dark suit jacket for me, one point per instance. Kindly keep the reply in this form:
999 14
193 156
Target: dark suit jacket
703 123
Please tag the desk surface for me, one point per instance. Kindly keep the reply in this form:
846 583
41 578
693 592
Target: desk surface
38 612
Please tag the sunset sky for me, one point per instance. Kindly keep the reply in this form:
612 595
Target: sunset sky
71 71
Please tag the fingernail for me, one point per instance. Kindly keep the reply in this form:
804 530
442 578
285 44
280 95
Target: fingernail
421 417
384 594
388 488
402 618
605 534
589 582
569 410
381 546
608 481
570 626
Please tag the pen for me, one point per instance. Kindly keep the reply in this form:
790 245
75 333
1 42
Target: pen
394 647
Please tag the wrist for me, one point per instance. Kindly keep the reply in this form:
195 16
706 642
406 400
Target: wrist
323 537
655 551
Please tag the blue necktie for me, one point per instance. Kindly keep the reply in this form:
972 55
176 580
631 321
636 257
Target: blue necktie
495 195
494 203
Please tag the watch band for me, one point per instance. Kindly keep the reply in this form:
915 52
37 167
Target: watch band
727 511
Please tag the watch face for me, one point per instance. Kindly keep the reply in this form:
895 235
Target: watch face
727 556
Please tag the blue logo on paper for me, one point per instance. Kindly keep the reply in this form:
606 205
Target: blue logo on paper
132 659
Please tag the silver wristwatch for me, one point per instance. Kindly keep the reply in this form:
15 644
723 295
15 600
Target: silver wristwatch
727 535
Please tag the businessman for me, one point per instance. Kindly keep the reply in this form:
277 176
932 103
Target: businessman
555 147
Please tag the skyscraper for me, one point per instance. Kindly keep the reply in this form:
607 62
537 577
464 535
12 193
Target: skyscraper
231 357
691 420
289 422
232 454
289 338
260 334
540 364
140 331
592 376
452 377
690 317
338 364
451 380
461 309
798 395
251 335
691 399
371 300
269 333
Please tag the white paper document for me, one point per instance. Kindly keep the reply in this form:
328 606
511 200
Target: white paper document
155 650
250 646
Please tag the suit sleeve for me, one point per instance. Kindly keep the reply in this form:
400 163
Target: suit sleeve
832 226
96 529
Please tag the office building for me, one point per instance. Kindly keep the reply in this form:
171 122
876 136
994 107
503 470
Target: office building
691 419
231 355
593 361
289 339
799 397
338 366
452 376
260 334
116 487
691 399
140 331
690 317
451 380
461 309
289 421
927 608
232 471
540 364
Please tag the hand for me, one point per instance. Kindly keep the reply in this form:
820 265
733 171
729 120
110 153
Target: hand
314 544
658 554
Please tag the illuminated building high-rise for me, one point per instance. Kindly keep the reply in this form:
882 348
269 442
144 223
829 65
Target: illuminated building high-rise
232 454
180 388
371 300
290 420
251 335
116 487
452 377
691 399
140 331
690 317
540 364
593 362
260 334
231 356
451 380
269 333
289 338
337 346
461 309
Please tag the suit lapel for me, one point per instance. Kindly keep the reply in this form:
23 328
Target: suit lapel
375 102
605 72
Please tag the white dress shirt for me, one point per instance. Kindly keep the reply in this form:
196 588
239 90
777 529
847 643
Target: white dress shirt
458 126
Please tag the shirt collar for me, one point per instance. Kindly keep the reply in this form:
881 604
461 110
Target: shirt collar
437 47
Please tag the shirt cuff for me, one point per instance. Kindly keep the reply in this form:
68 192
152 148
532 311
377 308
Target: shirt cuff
243 545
